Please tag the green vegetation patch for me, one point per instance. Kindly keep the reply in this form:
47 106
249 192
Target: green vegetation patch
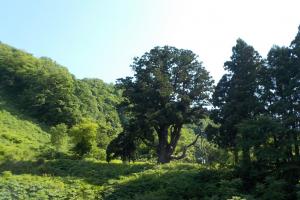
20 139
90 179
43 187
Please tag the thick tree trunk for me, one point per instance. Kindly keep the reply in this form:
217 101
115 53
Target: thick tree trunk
163 153
166 148
163 157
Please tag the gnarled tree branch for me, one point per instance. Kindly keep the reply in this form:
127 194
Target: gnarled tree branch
183 154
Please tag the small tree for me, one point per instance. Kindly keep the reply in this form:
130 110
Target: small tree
170 88
84 136
59 136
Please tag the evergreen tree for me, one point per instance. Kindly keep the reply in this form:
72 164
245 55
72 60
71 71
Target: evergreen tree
170 88
235 97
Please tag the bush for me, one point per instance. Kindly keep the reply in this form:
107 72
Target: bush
272 188
22 187
84 137
59 136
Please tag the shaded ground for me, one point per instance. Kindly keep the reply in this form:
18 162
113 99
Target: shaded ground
96 173
112 181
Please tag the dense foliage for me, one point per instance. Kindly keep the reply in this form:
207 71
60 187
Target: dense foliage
234 99
237 140
170 88
256 104
84 137
46 91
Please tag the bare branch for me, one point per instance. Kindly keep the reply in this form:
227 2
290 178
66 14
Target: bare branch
183 154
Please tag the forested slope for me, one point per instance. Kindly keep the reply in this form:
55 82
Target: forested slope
48 93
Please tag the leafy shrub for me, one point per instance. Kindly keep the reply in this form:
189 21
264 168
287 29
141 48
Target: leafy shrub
22 187
176 181
59 136
84 136
272 188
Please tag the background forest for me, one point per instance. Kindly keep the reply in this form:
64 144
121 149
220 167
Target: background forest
168 132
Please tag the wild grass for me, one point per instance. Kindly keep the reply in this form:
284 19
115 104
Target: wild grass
20 137
90 179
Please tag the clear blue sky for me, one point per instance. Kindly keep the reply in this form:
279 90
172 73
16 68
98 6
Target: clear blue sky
97 38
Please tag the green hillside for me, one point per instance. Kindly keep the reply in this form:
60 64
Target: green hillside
20 137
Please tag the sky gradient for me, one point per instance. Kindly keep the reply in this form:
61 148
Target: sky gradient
99 39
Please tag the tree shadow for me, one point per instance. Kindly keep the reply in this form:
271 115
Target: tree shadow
176 184
96 173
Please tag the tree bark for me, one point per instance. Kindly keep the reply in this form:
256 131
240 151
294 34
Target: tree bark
162 148
165 149
163 157
175 135
183 154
